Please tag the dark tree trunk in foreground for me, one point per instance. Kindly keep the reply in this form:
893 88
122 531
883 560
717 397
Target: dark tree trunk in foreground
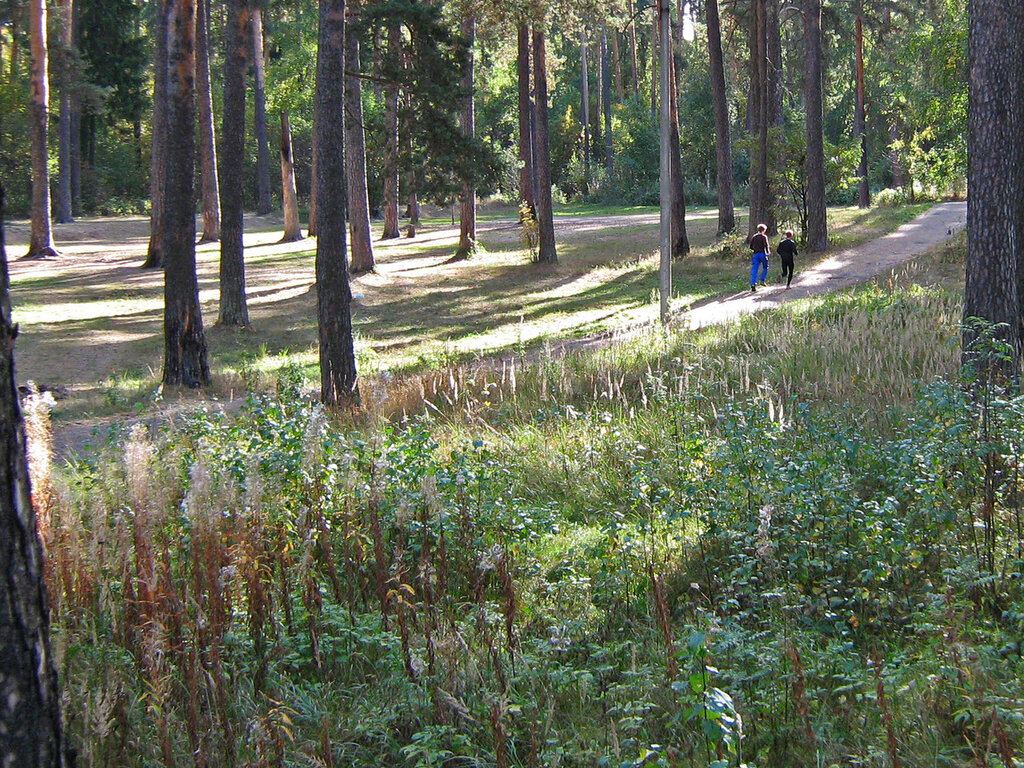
338 384
30 721
264 204
526 174
391 180
355 157
158 147
184 340
233 308
542 152
289 197
467 122
41 238
859 117
995 182
62 189
207 133
723 141
680 241
814 163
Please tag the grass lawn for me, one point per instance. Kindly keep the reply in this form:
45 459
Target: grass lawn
92 320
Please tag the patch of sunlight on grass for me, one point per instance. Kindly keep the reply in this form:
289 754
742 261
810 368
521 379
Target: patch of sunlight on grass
64 312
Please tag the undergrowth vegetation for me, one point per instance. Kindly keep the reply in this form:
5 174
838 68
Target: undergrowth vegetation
795 541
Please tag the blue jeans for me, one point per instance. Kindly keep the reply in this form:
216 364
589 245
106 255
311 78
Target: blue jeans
760 260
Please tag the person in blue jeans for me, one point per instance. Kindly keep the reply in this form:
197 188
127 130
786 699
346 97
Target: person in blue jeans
761 248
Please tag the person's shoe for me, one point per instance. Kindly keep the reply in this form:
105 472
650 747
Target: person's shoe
762 282
753 287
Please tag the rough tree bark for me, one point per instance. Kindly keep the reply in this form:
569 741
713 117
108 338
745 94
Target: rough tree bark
41 237
233 307
814 162
184 339
680 241
31 734
264 203
606 106
207 133
723 140
542 152
355 156
467 122
995 184
158 145
526 173
859 117
338 383
289 197
391 179
62 209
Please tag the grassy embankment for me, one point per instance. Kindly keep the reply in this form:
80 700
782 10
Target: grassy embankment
596 560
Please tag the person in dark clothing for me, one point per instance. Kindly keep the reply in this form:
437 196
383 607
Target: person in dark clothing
759 245
787 250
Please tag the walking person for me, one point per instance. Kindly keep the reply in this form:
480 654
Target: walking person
761 248
786 251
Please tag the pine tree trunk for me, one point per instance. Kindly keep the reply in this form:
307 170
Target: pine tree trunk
338 383
723 141
289 197
355 146
773 105
75 155
655 56
41 238
184 340
391 179
995 185
635 69
760 204
467 122
264 203
680 241
585 111
207 133
617 59
661 32
526 171
238 34
158 147
606 105
542 151
859 118
311 229
31 734
814 164
62 190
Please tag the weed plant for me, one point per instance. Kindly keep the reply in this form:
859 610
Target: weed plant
774 545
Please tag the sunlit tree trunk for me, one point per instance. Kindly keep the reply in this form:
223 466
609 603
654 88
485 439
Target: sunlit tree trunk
391 178
526 172
634 65
859 118
723 141
338 383
289 197
606 106
617 59
264 203
207 133
184 340
62 208
41 237
467 122
158 147
238 34
814 163
585 111
355 148
542 152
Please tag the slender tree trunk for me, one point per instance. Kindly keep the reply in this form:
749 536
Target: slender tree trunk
184 340
995 185
760 198
859 118
338 383
526 169
158 143
662 21
467 212
75 155
311 229
773 107
723 141
238 35
585 93
606 105
542 152
62 190
31 734
814 164
634 64
655 57
391 178
41 238
289 197
617 59
264 203
680 241
207 133
355 156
